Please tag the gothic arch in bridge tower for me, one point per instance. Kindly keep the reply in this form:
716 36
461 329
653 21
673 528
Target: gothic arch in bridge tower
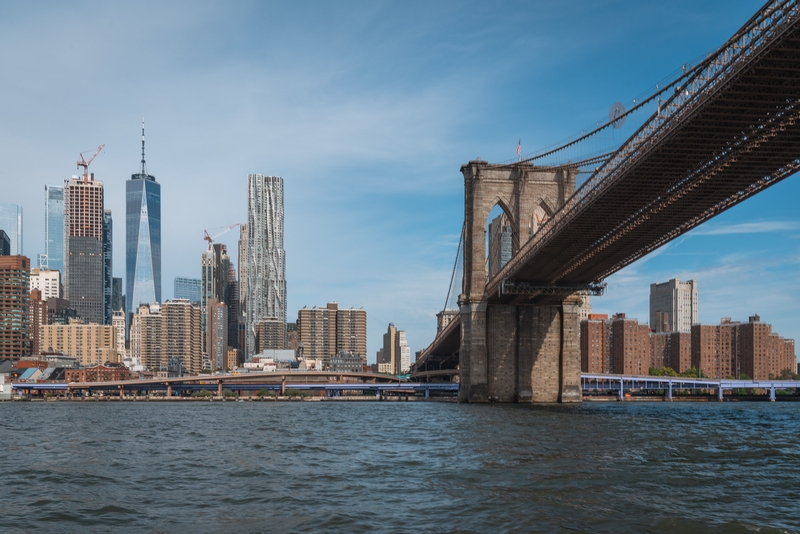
512 352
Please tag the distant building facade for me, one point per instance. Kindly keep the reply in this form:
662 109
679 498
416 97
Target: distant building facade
673 306
187 288
83 247
264 290
92 344
54 228
500 244
326 332
14 307
47 281
11 224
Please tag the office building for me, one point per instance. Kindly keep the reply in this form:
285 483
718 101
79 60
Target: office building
402 354
47 281
673 306
500 244
59 311
142 238
92 344
11 223
181 334
265 288
145 336
53 257
108 259
217 333
14 307
117 296
5 244
389 354
242 274
233 307
187 288
83 247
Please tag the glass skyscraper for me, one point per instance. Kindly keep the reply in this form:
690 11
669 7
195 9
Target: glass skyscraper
187 288
142 239
11 223
266 261
53 257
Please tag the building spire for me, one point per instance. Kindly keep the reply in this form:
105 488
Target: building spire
143 170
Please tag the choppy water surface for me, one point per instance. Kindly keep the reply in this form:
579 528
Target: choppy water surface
415 466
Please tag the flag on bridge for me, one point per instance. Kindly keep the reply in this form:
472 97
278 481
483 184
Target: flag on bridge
519 149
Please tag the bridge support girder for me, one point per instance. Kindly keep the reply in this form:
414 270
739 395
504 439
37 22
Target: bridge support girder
520 352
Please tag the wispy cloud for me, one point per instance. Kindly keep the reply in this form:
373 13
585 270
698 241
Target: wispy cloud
750 228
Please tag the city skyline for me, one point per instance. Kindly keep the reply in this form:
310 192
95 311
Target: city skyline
373 216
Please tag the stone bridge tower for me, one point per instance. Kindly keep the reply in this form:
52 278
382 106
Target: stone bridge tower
519 352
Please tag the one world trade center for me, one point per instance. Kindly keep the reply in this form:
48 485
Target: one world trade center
142 240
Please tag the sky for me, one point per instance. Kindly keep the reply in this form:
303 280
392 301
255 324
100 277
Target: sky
367 110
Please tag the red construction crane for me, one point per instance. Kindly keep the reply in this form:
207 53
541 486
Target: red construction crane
211 239
85 164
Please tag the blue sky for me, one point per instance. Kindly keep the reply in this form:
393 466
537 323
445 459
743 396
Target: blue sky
367 110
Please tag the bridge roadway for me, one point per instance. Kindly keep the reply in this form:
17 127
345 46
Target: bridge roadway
729 129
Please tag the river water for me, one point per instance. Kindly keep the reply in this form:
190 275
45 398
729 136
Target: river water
399 467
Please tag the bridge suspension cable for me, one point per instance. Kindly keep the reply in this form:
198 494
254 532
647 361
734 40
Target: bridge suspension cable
455 266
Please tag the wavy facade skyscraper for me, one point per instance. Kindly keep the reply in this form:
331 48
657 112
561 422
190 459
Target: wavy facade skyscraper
266 260
142 239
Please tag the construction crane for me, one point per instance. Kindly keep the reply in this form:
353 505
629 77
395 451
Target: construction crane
85 164
211 239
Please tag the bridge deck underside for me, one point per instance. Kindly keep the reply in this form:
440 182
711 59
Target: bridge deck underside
739 138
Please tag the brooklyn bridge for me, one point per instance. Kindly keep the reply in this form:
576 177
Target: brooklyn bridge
721 131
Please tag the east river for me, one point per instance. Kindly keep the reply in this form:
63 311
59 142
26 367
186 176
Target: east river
399 467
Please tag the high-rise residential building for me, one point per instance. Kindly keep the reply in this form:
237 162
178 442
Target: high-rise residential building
11 223
187 288
118 322
734 349
5 244
38 321
142 238
402 354
181 335
630 346
596 354
500 244
265 288
83 247
14 307
47 281
217 333
145 336
673 306
53 257
326 332
92 344
351 332
270 335
108 263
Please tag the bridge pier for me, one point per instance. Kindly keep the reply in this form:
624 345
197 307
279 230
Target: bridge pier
520 353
